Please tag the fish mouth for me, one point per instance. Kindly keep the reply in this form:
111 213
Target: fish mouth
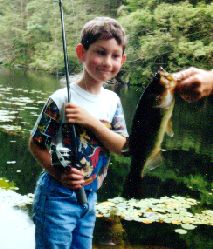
165 99
167 80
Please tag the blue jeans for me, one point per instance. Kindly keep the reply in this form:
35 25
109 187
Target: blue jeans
60 222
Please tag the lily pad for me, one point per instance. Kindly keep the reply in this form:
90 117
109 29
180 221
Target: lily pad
180 231
188 226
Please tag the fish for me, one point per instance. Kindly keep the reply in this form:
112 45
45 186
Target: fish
151 121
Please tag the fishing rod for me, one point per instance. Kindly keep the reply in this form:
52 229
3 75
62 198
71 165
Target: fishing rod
65 50
80 193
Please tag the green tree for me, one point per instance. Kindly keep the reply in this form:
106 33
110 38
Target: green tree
30 33
171 35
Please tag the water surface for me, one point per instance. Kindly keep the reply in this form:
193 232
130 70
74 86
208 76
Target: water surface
186 172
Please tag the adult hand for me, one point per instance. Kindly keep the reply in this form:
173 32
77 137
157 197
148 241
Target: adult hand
194 83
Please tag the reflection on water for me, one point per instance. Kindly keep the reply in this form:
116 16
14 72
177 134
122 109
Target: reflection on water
186 172
17 229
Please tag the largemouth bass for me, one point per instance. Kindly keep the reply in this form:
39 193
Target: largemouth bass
152 120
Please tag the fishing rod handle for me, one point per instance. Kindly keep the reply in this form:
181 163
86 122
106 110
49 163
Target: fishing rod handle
81 196
80 193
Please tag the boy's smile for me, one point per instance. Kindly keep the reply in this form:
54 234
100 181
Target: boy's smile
102 61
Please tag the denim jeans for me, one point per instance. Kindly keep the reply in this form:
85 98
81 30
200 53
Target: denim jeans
60 222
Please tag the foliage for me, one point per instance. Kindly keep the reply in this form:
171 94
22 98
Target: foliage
30 33
174 34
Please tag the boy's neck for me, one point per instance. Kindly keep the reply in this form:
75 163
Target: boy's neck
92 87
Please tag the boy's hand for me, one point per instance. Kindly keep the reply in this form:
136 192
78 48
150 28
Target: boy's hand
76 114
72 178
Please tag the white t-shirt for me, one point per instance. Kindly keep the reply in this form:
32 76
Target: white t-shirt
102 106
51 128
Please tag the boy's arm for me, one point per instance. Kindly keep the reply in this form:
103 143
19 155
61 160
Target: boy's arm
110 139
72 179
43 157
47 124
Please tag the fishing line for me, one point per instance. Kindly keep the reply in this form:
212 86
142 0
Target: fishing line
74 14
55 39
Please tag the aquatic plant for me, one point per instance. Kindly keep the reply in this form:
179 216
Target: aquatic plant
174 210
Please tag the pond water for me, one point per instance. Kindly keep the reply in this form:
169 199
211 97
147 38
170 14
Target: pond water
176 208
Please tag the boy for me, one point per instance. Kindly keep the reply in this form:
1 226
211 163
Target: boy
97 113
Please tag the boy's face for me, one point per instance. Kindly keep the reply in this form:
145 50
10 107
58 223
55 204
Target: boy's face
103 60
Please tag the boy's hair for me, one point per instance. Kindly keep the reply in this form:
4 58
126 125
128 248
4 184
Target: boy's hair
102 28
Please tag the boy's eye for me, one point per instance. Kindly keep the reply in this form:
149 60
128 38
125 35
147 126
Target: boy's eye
101 52
116 56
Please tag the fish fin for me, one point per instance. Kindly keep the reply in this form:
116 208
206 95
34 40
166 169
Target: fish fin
169 130
126 153
126 150
152 163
